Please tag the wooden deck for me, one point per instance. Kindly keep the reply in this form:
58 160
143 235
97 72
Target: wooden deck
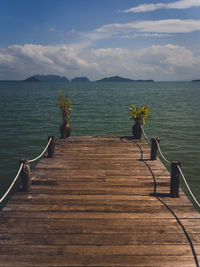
92 205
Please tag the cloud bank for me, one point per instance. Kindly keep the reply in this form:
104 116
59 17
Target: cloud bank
159 62
183 4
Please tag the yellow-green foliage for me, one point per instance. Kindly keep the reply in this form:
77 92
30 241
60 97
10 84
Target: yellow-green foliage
139 114
65 105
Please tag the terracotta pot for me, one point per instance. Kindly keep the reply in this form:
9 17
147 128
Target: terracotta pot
65 130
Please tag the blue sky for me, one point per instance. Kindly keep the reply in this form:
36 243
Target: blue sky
149 39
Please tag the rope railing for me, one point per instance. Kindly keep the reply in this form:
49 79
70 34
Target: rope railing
188 188
146 137
24 169
12 184
169 162
32 160
158 146
175 165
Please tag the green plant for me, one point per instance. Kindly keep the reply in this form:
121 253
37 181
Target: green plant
65 105
139 114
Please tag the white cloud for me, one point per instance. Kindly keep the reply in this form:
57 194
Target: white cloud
183 4
30 59
145 8
168 26
150 35
136 29
166 62
149 26
6 58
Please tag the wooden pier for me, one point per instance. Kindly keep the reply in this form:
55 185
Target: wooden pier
94 204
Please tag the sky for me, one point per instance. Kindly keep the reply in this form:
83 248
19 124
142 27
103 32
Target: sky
136 39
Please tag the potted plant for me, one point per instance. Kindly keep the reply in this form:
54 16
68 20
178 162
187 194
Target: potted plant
65 106
139 114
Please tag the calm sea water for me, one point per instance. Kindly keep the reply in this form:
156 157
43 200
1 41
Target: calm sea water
29 113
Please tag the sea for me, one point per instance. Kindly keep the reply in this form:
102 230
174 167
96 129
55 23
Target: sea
29 114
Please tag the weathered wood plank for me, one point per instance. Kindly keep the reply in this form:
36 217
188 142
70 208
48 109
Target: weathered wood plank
147 197
90 250
97 191
96 208
95 226
97 215
96 239
102 184
98 260
92 200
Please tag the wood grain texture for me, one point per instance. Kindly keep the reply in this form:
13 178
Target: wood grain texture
93 205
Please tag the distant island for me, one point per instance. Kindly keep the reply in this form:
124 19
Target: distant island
121 79
54 78
196 80
57 78
80 79
32 79
46 78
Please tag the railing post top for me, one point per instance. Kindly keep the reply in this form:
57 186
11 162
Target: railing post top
51 136
176 162
24 161
153 139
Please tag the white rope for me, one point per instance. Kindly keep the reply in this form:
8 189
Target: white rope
20 168
144 133
42 152
10 187
188 187
162 153
157 145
